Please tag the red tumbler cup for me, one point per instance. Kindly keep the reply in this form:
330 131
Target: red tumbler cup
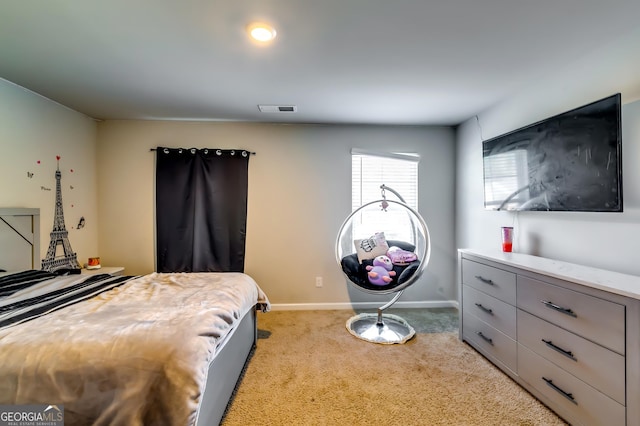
507 238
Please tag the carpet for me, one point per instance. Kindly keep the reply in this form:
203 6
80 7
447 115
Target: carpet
309 370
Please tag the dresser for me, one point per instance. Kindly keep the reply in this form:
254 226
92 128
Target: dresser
567 333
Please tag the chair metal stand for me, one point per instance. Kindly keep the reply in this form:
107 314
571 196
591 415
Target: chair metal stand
381 328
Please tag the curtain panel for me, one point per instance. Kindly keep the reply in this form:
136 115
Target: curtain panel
201 209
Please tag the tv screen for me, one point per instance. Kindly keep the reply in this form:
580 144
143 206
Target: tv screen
569 162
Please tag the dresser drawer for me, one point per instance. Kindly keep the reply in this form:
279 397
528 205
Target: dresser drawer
599 367
496 313
496 282
569 396
595 319
491 341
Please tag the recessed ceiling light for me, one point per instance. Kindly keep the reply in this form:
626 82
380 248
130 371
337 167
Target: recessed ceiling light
261 32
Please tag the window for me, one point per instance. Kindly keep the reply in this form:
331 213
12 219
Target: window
395 170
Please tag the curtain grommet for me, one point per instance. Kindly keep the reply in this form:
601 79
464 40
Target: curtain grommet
166 150
218 152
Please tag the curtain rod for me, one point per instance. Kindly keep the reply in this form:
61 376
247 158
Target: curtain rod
252 153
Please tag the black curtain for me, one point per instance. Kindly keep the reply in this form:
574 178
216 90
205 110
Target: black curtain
201 209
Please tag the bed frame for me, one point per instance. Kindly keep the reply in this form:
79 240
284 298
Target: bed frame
20 250
225 372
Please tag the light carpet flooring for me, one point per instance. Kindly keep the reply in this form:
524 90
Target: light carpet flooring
309 370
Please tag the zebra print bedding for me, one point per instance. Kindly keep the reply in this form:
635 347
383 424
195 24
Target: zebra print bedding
30 294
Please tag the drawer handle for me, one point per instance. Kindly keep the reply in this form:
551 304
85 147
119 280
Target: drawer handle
555 307
487 310
486 339
558 349
567 395
484 280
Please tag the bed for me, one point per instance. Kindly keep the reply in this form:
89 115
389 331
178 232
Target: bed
153 349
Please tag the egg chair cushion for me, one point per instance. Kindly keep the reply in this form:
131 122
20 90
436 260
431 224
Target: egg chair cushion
356 272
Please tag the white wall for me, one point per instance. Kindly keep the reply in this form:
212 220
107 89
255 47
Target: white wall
299 194
33 131
604 240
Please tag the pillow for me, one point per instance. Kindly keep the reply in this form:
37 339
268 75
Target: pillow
401 257
401 244
372 247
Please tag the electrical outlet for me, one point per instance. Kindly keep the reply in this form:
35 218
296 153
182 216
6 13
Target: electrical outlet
318 281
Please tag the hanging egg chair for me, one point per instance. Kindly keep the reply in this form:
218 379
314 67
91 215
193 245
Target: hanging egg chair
383 247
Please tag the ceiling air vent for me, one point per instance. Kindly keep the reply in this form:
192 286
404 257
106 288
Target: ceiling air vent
277 108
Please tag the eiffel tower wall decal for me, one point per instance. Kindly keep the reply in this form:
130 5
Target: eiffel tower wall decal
67 259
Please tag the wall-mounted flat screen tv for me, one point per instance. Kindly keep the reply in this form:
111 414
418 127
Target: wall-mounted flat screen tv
569 162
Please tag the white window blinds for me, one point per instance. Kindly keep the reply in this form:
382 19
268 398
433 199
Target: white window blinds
369 171
397 171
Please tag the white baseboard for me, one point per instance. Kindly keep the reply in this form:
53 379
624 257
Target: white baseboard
360 305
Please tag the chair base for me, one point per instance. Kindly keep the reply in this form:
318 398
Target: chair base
389 330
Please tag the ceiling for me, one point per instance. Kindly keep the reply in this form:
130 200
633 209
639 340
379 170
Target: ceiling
422 62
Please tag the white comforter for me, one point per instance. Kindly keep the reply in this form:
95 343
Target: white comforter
137 354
